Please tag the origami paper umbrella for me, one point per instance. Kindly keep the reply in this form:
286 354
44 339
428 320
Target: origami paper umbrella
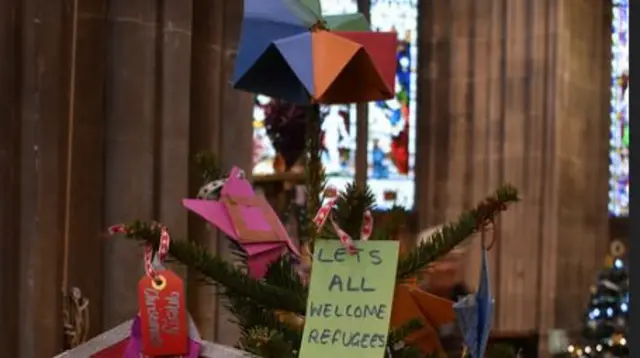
289 51
247 219
474 314
437 315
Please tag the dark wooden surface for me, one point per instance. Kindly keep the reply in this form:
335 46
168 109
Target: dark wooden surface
525 343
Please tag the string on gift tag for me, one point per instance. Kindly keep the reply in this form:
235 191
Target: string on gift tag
163 247
325 213
163 250
483 238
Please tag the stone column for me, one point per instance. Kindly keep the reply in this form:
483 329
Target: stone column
118 148
86 231
32 162
9 176
516 92
130 132
220 122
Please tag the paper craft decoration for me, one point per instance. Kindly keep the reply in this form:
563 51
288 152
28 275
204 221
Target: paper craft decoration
437 316
247 219
288 50
350 297
114 344
474 314
123 341
134 346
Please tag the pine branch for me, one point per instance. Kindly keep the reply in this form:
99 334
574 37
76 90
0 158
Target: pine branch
315 177
454 234
398 335
208 165
389 229
234 282
282 273
350 208
249 314
409 352
267 343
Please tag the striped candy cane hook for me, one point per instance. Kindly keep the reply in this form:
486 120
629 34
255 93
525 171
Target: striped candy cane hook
163 247
365 231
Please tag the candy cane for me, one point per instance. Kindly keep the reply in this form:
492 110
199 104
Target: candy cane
325 213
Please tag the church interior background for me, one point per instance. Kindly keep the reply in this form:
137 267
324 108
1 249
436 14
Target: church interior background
488 92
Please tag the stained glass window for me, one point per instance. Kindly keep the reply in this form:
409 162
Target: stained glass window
338 127
338 123
264 153
619 143
391 139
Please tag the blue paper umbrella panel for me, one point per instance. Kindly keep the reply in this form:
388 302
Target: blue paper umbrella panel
474 314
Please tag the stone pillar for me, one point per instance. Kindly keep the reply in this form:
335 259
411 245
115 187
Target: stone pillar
168 98
220 122
86 231
32 162
9 176
117 148
582 144
130 140
516 92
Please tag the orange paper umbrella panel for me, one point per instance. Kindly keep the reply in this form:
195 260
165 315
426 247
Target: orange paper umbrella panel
434 313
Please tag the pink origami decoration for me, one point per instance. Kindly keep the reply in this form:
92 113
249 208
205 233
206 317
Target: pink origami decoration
247 219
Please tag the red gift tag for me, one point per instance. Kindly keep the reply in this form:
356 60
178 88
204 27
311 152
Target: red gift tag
163 315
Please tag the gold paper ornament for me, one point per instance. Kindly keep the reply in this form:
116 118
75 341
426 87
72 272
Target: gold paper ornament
290 319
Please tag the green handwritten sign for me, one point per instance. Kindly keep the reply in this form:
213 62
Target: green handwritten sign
350 299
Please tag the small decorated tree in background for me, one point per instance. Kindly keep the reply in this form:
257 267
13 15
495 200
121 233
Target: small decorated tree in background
606 320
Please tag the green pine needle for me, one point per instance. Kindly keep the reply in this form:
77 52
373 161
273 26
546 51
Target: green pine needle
399 334
454 234
233 280
350 207
267 343
208 165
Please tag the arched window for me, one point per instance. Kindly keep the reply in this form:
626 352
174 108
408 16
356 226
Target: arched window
619 151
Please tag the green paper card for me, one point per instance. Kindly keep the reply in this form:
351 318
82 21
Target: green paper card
350 299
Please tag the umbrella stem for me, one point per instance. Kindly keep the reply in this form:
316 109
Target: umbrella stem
314 178
320 25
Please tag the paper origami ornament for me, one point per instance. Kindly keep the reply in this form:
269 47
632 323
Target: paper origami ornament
116 342
247 219
474 314
288 50
123 341
436 314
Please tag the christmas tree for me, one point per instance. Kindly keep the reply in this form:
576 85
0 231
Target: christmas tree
270 310
607 315
267 288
